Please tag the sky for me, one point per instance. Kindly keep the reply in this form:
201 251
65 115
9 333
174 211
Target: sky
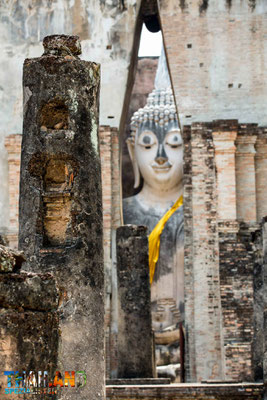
150 44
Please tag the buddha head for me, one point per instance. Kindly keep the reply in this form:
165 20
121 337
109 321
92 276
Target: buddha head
155 145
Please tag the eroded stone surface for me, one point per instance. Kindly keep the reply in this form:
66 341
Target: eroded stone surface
28 321
28 291
10 260
28 341
60 203
135 345
62 45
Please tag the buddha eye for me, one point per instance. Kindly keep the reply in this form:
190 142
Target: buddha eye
174 140
147 140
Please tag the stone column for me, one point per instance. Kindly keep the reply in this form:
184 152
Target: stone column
135 341
60 201
225 165
261 175
13 146
245 178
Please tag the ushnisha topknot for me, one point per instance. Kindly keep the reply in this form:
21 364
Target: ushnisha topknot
160 110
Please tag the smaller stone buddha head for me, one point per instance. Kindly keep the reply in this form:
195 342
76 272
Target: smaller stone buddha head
155 145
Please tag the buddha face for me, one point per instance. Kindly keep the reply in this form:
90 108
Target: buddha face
160 157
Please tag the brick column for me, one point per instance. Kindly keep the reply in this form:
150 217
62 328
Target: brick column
109 154
116 222
13 146
116 179
203 319
226 183
106 176
261 175
245 178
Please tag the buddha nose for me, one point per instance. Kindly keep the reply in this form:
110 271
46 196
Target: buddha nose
161 160
161 156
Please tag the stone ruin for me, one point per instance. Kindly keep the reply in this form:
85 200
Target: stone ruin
53 310
28 318
135 325
56 302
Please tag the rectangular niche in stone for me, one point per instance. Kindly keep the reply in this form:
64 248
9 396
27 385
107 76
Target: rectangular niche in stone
56 219
54 115
57 203
56 176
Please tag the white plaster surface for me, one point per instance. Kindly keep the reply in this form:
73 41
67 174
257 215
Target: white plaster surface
223 74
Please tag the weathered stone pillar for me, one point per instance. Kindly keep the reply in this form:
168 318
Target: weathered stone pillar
261 175
13 146
135 341
245 178
60 201
225 165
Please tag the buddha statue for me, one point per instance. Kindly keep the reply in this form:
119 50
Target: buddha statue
156 151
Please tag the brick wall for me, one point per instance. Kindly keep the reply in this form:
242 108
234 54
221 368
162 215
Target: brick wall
236 281
261 172
221 253
217 56
13 147
186 392
245 173
204 350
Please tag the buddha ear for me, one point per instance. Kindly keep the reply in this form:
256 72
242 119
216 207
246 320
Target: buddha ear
130 145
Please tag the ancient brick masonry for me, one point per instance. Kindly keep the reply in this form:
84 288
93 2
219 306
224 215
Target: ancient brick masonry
186 392
235 172
224 188
236 281
110 174
204 346
240 265
13 146
135 341
260 301
60 200
245 173
261 172
205 63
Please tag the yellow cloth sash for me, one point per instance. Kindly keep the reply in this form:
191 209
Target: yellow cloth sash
154 237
